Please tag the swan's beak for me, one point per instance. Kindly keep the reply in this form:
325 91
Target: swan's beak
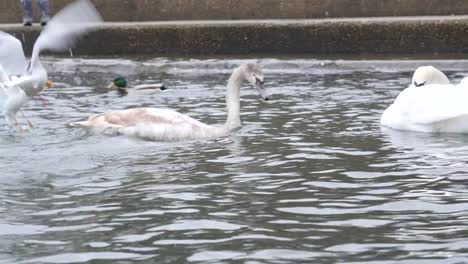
111 86
261 90
48 84
419 84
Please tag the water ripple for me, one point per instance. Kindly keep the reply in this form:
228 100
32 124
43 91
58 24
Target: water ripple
310 177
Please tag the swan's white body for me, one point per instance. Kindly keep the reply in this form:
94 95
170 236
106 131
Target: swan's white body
166 125
59 35
155 124
437 106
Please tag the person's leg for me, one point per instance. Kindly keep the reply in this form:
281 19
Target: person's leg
44 7
26 7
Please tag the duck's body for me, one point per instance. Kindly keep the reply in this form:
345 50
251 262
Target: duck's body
120 84
143 89
437 106
167 125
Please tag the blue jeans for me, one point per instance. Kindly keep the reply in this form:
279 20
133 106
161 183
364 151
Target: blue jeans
26 6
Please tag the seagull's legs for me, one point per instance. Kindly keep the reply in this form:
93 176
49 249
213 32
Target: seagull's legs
12 121
27 120
18 126
20 129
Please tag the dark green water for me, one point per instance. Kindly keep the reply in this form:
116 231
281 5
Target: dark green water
310 178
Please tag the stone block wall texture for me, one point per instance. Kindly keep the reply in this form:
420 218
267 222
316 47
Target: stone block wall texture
161 10
368 36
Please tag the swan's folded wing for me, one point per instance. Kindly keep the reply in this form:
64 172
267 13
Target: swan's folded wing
431 104
12 55
173 117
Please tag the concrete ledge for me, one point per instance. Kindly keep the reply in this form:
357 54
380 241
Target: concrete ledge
408 35
162 10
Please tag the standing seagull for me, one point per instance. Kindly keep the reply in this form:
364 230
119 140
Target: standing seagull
59 35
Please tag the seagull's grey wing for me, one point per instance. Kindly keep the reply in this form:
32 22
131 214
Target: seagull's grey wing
65 27
12 55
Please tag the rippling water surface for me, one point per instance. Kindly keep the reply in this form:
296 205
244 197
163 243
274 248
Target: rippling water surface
311 177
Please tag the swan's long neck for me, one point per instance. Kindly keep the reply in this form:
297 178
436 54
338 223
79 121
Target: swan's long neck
233 100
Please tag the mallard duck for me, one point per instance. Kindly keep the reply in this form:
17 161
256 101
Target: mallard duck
120 84
168 125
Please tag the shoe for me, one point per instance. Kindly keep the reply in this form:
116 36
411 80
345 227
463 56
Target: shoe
27 24
43 24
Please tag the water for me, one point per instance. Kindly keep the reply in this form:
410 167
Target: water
311 177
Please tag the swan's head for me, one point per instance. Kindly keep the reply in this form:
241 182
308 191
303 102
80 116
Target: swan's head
426 75
254 75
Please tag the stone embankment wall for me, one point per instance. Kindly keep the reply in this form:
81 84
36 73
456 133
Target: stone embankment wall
163 10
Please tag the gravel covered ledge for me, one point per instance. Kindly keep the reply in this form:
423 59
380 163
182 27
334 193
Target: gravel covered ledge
384 35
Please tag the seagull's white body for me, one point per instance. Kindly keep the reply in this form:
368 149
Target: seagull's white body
166 125
59 35
12 98
436 106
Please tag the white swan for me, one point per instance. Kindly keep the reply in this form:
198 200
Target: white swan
438 106
59 35
167 125
464 82
426 75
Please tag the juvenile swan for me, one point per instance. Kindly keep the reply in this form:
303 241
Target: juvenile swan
167 125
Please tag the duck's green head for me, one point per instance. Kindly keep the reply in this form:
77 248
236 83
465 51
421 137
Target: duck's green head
118 82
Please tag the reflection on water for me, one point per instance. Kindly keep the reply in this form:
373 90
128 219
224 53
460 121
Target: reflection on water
310 177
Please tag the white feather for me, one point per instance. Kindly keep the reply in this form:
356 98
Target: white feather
431 108
65 27
426 75
11 54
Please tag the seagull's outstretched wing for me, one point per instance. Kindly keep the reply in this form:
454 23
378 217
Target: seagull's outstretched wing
65 27
12 55
3 89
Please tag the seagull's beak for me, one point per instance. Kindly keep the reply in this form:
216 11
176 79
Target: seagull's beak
111 85
48 84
